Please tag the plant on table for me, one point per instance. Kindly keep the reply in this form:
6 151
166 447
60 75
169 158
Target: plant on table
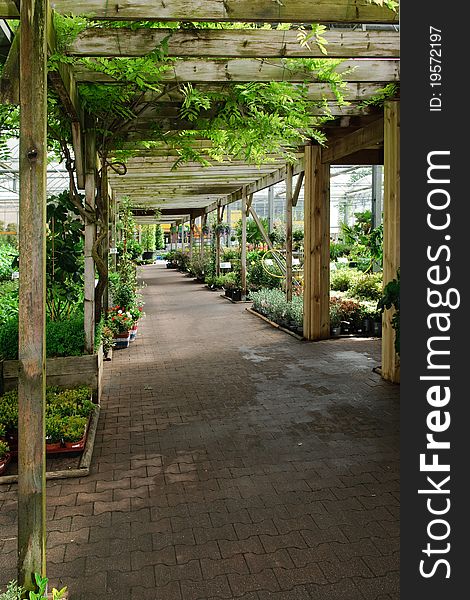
119 320
73 429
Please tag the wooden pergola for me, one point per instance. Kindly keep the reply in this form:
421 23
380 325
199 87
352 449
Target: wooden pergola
210 59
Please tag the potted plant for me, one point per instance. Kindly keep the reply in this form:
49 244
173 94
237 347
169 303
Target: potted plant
336 317
107 339
74 431
4 455
391 299
54 428
120 322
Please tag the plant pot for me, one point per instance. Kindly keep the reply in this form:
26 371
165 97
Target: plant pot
133 333
335 331
149 255
366 326
345 327
53 447
78 445
4 462
237 295
228 293
122 340
108 355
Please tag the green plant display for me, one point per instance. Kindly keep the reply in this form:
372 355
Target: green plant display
159 238
63 338
64 265
148 237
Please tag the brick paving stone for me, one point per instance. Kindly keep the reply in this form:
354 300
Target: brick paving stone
199 489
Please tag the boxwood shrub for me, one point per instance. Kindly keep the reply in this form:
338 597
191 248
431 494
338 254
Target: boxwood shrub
63 338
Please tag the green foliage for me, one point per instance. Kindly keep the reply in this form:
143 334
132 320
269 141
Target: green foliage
257 276
64 265
8 301
16 592
159 238
366 243
366 286
8 257
148 238
253 234
63 338
341 280
278 234
339 249
4 450
378 99
272 304
391 299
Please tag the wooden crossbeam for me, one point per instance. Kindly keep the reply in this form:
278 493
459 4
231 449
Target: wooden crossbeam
353 91
298 187
291 11
237 43
369 137
246 69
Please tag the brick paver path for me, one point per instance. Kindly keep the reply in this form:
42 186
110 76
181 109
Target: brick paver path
232 461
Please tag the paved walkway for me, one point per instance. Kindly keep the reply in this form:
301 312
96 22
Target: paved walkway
232 461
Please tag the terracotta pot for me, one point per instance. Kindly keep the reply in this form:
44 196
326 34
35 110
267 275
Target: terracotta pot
53 446
79 445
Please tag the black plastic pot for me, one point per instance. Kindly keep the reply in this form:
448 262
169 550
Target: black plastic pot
236 295
149 255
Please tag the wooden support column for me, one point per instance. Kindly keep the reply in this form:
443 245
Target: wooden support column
391 247
217 240
191 237
90 236
316 246
243 243
32 294
289 199
201 239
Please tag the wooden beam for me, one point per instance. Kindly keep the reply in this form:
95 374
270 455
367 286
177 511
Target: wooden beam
90 236
10 79
289 204
316 246
32 294
298 187
265 11
368 137
362 157
391 225
233 43
246 69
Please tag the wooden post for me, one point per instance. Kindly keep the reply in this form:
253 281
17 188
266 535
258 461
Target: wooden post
217 240
201 239
289 191
391 247
316 246
243 245
191 237
32 294
113 229
90 236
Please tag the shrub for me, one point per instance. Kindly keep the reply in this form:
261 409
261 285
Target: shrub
341 280
4 449
63 338
8 301
366 286
272 303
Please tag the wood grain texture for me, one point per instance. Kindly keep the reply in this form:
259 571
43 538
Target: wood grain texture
391 226
291 11
32 293
238 43
250 69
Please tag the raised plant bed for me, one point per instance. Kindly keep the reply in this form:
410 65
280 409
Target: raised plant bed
67 371
275 325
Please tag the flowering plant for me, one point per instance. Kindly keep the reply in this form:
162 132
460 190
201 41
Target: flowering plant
119 321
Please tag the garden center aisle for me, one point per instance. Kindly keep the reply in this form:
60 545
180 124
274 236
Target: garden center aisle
231 461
